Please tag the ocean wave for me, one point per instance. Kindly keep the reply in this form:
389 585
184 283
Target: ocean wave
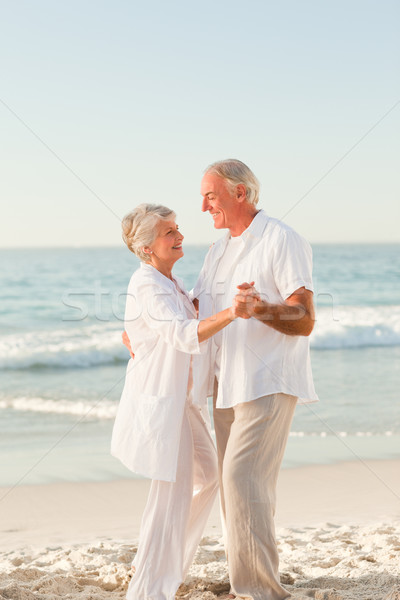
85 347
104 409
94 345
356 327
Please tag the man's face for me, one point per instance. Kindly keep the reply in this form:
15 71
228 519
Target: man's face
219 201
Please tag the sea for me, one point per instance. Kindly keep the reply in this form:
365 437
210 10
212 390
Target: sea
62 361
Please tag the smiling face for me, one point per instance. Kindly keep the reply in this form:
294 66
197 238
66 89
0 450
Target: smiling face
167 247
219 201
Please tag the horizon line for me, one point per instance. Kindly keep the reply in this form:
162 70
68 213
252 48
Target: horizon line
195 244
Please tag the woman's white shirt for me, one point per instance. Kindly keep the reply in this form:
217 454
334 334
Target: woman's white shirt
147 428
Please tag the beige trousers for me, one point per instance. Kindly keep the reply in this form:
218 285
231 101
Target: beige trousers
251 440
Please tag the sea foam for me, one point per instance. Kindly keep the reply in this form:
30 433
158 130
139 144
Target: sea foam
102 409
63 348
356 327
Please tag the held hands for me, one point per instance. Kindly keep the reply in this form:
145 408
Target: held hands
245 301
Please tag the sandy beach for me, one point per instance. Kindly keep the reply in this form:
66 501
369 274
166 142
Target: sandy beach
338 529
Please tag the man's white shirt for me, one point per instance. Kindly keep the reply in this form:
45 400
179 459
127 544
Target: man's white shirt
220 290
255 360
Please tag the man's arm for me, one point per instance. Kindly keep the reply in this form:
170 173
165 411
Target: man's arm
126 341
295 316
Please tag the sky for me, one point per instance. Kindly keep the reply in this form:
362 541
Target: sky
105 105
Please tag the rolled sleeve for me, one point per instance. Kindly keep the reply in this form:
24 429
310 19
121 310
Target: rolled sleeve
292 264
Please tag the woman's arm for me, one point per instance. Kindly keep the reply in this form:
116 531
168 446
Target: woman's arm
206 328
209 327
160 310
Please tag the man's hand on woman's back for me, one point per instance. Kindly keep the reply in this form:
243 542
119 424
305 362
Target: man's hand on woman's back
127 343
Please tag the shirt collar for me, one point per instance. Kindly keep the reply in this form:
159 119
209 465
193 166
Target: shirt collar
255 229
156 273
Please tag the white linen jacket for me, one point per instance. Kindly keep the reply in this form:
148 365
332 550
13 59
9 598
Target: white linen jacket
147 427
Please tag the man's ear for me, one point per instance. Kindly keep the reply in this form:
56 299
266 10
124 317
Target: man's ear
241 192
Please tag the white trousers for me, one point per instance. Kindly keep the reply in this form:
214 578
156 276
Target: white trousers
176 514
251 440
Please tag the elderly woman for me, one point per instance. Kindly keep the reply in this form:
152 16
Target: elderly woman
160 431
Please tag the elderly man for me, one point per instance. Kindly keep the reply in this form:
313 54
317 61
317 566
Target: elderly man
258 369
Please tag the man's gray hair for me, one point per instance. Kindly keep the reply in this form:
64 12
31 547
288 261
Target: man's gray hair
235 172
140 227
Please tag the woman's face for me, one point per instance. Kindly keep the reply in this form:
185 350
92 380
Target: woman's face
167 247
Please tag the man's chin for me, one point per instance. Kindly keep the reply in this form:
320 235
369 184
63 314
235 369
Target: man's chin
218 225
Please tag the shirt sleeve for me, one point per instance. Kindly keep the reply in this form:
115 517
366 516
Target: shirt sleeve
160 311
292 264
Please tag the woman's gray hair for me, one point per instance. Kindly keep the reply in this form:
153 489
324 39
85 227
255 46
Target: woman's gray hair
139 227
235 172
